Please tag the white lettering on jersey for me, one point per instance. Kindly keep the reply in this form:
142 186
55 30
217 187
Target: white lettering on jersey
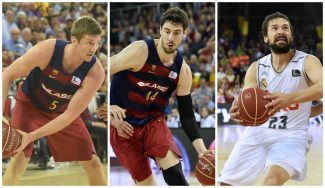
59 95
153 85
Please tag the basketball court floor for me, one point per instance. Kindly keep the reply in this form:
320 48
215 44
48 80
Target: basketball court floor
227 136
69 173
119 176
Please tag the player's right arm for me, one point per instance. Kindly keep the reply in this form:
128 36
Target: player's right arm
38 56
132 58
249 82
250 77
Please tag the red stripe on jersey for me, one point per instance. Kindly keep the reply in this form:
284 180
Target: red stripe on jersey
58 76
137 98
51 103
159 70
151 97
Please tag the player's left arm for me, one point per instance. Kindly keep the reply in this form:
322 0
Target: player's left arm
185 108
76 106
314 73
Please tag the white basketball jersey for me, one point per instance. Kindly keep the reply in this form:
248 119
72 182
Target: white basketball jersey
291 79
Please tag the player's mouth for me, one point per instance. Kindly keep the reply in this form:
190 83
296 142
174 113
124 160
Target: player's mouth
281 39
170 45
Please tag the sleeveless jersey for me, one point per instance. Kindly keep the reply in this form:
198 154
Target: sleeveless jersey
145 94
291 79
51 89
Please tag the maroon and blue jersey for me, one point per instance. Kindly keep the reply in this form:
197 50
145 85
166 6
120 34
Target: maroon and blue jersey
51 89
145 94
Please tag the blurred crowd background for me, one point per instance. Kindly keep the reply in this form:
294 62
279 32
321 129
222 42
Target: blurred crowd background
137 21
25 24
240 41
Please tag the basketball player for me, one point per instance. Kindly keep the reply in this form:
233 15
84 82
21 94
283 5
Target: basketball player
62 78
278 147
145 74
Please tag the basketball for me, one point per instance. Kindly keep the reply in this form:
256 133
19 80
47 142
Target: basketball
252 107
205 169
11 140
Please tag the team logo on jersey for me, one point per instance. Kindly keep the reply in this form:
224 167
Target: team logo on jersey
76 80
153 69
172 75
263 80
296 73
54 73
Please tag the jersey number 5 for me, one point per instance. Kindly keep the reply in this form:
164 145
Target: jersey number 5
54 105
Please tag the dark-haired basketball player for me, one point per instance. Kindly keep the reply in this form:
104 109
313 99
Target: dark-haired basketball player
145 74
62 79
279 146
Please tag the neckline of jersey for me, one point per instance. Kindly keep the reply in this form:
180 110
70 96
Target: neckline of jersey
279 73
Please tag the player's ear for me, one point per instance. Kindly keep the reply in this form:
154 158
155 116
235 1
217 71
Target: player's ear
266 39
184 33
160 30
74 40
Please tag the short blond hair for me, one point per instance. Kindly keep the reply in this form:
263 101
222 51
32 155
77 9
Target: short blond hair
85 26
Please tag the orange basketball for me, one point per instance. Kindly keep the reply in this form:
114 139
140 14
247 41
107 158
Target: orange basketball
11 140
205 169
252 107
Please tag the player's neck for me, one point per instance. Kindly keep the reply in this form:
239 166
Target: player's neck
165 58
280 61
70 60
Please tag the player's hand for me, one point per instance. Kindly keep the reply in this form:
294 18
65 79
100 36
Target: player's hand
5 120
102 112
279 101
211 152
25 140
316 110
117 112
234 112
124 129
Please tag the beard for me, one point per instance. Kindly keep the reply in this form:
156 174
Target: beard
282 48
169 50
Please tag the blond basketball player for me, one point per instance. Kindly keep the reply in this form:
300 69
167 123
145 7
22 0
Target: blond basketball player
278 147
62 78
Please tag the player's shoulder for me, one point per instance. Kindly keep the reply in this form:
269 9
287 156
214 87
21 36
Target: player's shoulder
185 70
42 51
45 48
311 59
47 44
253 66
139 47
